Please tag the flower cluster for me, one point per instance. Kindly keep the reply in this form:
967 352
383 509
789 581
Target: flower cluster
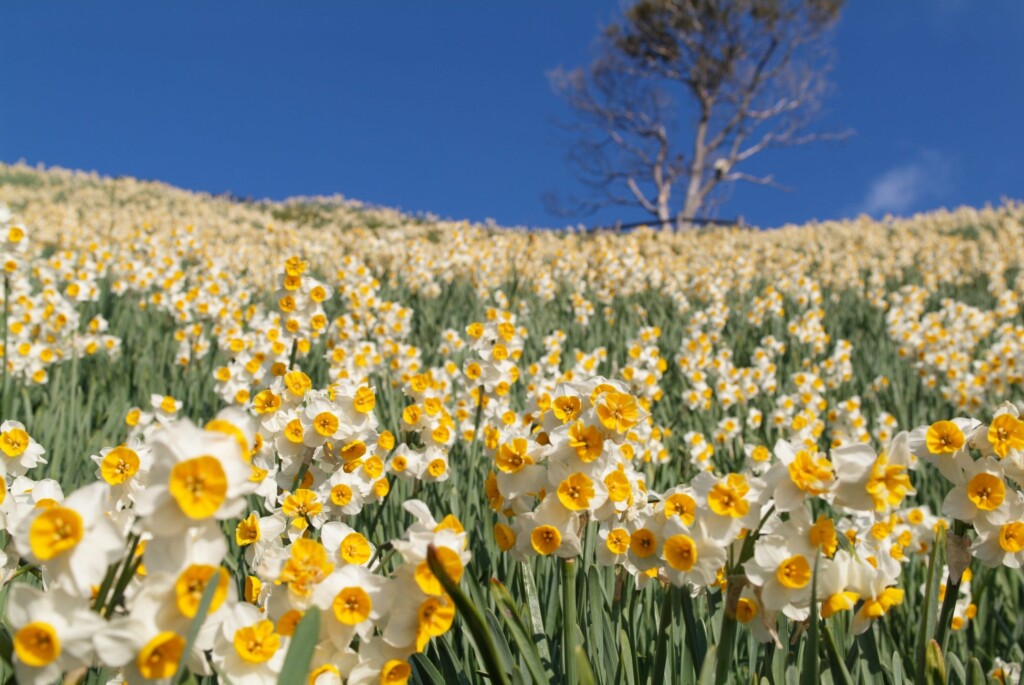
43 323
126 562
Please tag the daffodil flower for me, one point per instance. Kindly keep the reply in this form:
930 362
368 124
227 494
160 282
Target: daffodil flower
197 476
52 633
73 541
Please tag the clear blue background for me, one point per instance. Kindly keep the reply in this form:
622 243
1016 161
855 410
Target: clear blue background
445 107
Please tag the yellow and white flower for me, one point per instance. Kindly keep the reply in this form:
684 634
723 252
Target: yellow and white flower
248 648
197 476
783 568
74 542
52 633
979 493
20 451
1000 540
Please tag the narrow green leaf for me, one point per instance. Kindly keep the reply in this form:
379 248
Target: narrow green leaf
707 672
657 674
538 634
840 673
6 646
300 653
869 647
975 673
586 674
810 668
778 654
627 660
474 620
448 661
955 667
570 620
696 641
595 613
499 640
527 648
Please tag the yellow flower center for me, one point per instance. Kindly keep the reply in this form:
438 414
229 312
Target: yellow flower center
1011 537
435 618
617 541
643 543
266 402
302 503
298 383
256 644
875 608
120 464
986 491
355 549
288 621
566 408
681 505
37 644
944 437
823 535
199 486
1006 433
395 672
587 441
352 606
248 530
512 457
365 400
341 494
575 492
619 489
794 572
618 411
159 658
325 424
307 566
727 496
809 474
746 610
293 431
191 584
54 531
681 552
504 536
14 442
888 483
545 539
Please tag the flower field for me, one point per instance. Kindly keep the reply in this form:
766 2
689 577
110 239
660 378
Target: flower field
320 442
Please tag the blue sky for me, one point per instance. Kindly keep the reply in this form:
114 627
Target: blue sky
444 106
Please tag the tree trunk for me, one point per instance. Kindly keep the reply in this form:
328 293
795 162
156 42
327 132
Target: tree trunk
664 212
694 200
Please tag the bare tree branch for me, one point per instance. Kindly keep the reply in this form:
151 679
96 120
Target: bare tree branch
752 73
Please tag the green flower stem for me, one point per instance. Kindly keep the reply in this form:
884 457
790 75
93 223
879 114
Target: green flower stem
569 669
661 649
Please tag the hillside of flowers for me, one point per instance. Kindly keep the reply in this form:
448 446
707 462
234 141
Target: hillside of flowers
317 441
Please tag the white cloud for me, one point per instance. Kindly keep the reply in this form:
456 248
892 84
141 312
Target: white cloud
906 187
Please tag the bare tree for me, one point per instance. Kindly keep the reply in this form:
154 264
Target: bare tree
748 74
